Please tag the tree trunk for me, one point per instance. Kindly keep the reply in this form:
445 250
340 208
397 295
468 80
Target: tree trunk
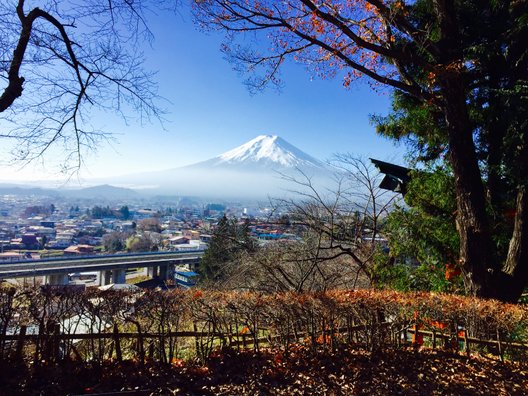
515 271
479 268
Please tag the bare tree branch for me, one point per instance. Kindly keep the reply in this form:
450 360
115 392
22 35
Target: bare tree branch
62 61
333 36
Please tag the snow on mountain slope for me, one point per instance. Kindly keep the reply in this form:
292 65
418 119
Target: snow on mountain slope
265 151
271 149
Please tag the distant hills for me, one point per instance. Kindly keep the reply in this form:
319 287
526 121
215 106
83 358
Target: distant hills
102 191
96 192
21 189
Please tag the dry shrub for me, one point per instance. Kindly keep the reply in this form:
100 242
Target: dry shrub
370 319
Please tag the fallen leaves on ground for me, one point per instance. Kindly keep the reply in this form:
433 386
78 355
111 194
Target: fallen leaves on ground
296 372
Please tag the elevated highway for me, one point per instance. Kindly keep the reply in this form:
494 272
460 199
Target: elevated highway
112 266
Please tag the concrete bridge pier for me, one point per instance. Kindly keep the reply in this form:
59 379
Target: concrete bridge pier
166 271
57 279
105 277
108 277
119 276
153 272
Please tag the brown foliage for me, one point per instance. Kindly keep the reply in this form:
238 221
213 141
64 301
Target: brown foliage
371 319
308 342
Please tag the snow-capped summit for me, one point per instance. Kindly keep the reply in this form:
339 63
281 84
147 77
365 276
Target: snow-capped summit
265 151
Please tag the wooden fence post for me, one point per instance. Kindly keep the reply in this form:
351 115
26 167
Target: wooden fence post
457 338
39 345
56 342
499 345
20 344
197 342
466 343
117 343
151 351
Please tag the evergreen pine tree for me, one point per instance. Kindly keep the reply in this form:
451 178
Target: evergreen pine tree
228 240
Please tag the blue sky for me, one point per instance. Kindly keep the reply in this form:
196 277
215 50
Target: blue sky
210 111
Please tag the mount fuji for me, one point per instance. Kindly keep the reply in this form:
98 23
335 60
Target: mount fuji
265 152
256 169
